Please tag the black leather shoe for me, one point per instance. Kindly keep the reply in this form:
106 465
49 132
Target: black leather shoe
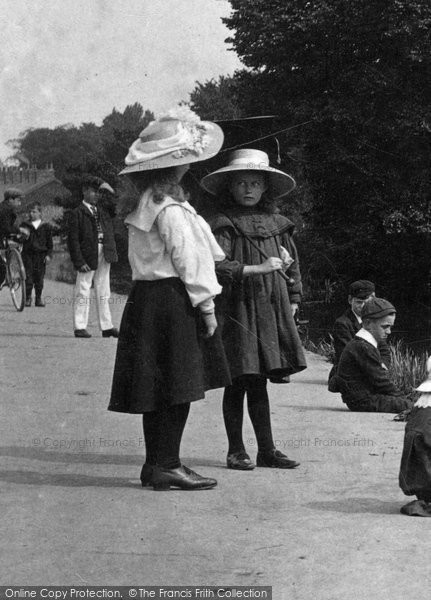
239 461
146 474
82 333
182 478
39 302
275 460
28 302
110 332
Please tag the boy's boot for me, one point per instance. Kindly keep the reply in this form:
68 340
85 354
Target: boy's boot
39 302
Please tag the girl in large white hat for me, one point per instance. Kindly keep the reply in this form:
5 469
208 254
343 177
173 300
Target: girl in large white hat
415 470
259 298
159 366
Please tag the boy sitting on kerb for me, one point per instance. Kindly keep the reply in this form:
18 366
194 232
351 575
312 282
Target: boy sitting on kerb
362 377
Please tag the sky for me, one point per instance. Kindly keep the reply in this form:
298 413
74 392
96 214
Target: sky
73 61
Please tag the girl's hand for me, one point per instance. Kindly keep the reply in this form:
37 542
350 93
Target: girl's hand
210 324
273 263
294 306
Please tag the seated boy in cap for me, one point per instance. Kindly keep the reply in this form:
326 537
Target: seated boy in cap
362 377
350 322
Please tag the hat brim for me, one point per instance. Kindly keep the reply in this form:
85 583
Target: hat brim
379 315
216 138
425 386
280 183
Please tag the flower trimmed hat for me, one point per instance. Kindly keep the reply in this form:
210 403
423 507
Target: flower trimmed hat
177 138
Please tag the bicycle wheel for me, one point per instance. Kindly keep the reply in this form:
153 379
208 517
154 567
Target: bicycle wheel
16 278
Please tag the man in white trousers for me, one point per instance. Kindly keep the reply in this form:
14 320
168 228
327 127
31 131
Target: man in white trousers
92 250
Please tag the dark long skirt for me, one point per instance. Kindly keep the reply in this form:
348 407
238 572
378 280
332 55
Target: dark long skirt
162 357
415 469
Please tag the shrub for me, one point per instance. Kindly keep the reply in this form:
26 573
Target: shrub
407 368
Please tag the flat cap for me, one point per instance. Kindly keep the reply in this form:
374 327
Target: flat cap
376 308
13 192
361 289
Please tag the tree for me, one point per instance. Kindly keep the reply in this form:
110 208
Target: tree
358 70
119 130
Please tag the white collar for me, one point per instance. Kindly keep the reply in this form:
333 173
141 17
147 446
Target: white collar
357 317
36 223
367 336
424 400
147 211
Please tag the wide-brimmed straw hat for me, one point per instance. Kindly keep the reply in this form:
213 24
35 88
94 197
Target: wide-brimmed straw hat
248 159
176 138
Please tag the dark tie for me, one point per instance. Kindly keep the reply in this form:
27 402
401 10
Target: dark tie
95 214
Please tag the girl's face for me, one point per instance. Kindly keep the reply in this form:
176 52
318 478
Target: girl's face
247 187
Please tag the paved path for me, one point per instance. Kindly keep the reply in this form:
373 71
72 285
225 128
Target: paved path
73 512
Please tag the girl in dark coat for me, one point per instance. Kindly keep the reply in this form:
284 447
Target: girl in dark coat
160 363
415 470
257 305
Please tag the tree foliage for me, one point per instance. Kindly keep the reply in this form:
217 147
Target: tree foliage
358 73
88 148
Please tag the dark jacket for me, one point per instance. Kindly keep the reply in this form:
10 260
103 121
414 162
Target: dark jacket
254 313
7 221
40 240
83 238
360 373
345 329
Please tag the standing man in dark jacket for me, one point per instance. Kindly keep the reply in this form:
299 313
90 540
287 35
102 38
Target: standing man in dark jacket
8 215
362 377
92 250
36 252
8 227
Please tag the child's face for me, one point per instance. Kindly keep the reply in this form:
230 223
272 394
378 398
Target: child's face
35 214
15 203
380 328
247 187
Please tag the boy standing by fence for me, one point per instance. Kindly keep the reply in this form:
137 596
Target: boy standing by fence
36 252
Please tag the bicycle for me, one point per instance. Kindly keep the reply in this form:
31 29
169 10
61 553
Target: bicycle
14 272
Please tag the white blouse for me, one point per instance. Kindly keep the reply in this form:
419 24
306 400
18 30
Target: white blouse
171 240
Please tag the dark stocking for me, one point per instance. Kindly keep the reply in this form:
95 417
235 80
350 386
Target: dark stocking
233 410
163 431
258 409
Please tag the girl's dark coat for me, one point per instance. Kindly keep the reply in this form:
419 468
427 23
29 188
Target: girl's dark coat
254 314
